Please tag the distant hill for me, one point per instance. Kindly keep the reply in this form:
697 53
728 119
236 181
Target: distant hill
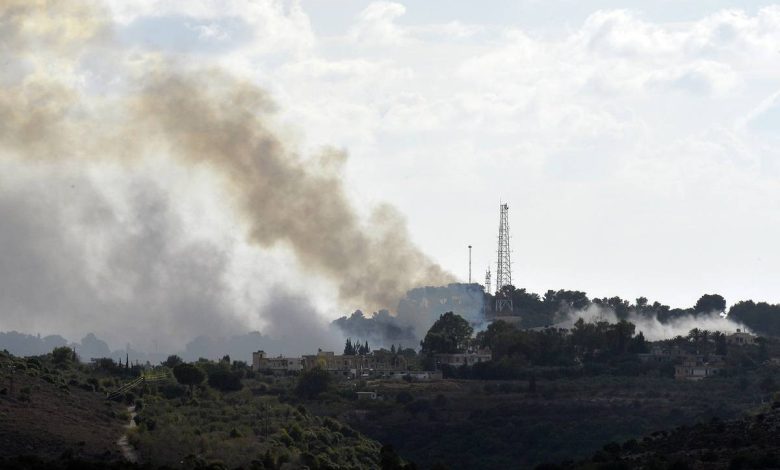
749 442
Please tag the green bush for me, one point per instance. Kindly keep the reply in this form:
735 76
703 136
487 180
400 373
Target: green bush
225 380
312 383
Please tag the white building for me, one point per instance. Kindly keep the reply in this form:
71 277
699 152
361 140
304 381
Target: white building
741 338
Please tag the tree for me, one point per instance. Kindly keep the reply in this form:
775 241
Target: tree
638 344
449 334
172 361
63 355
709 303
389 459
312 383
349 348
189 375
225 380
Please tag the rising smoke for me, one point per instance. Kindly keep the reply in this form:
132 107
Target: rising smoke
118 261
651 327
417 311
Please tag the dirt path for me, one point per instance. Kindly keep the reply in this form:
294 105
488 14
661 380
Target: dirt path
127 450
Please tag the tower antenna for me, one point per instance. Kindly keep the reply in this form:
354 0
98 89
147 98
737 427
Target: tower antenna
487 280
504 264
469 264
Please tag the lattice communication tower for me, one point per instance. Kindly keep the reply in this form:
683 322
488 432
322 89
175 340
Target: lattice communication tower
504 263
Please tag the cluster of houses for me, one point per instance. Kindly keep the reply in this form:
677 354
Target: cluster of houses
696 366
375 365
384 365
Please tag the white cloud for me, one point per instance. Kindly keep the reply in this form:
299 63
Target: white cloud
375 26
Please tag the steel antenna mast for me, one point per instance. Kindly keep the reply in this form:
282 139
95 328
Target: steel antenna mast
504 263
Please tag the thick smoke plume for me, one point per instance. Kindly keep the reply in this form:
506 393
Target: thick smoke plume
70 95
283 199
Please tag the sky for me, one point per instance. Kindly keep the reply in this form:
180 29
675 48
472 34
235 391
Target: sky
635 142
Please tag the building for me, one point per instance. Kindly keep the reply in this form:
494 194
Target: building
659 354
366 395
413 375
698 367
463 359
378 365
514 320
741 338
278 365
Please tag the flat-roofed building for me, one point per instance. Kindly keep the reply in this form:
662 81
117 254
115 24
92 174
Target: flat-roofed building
277 365
698 367
463 359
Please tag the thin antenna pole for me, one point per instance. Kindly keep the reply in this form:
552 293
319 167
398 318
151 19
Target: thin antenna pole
469 264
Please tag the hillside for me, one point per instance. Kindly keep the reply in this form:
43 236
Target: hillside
53 412
752 441
492 424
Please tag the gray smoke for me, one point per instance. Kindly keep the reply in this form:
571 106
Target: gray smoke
77 260
417 311
651 327
72 264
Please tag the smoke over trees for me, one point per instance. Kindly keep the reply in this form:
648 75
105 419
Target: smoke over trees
99 264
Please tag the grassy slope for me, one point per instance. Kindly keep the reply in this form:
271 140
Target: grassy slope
57 418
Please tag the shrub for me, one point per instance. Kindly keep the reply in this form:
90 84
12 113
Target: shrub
285 438
34 363
225 380
63 355
172 391
312 383
295 432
